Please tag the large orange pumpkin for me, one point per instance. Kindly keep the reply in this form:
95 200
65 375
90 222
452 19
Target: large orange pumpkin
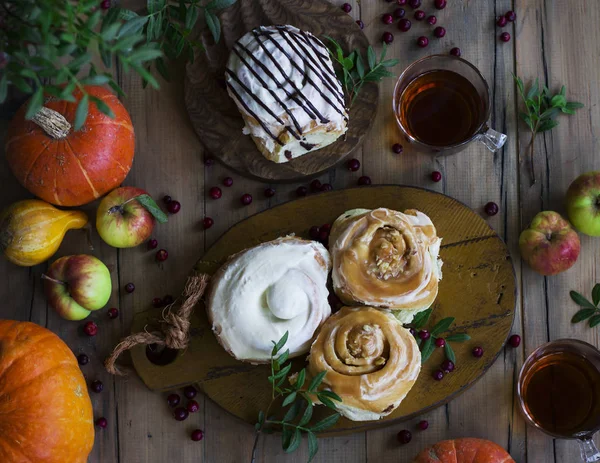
68 167
45 410
465 450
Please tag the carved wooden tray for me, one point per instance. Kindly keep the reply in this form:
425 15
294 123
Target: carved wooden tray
215 117
478 288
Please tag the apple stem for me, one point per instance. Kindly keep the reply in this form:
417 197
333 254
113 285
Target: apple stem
88 234
119 208
53 280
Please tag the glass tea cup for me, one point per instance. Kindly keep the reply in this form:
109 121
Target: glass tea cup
442 103
559 392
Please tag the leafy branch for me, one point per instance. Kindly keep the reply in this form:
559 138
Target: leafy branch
590 310
353 73
299 403
541 109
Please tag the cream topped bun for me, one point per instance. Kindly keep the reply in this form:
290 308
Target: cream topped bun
386 259
284 85
264 291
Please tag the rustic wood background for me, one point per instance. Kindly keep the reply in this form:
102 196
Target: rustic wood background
557 41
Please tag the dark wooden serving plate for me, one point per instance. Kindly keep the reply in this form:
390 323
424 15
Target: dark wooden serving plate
478 288
215 117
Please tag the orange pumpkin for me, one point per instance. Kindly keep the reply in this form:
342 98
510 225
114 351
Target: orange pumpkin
45 410
466 450
68 167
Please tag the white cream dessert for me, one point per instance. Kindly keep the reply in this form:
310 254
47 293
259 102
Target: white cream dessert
386 259
264 291
284 85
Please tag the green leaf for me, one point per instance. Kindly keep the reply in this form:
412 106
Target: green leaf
313 445
307 415
293 411
79 61
133 26
371 58
191 17
154 5
360 66
596 294
574 105
214 26
110 32
145 74
442 326
534 90
582 315
449 352
316 381
327 402
594 321
162 69
390 63
294 442
3 88
286 436
127 43
549 113
35 103
330 394
427 350
98 79
300 379
558 101
94 19
220 4
545 125
103 107
277 346
563 91
81 112
22 85
283 357
421 319
383 51
144 54
348 63
261 418
149 204
125 14
325 423
458 337
289 399
282 373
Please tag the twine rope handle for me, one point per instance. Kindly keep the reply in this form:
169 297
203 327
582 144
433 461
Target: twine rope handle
175 325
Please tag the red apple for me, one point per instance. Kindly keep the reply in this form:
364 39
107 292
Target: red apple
583 203
549 245
77 285
121 220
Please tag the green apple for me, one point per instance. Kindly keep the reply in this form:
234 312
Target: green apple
77 285
583 203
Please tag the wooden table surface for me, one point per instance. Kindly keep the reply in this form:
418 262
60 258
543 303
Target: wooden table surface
557 41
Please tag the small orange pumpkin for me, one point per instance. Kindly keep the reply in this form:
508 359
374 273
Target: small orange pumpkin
467 450
68 167
45 410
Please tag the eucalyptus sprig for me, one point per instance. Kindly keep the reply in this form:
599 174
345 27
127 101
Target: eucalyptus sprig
353 73
590 310
298 404
541 109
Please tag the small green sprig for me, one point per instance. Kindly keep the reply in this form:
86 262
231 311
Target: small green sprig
541 109
590 310
427 347
298 402
353 73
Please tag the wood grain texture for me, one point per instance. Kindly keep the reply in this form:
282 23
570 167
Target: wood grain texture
215 116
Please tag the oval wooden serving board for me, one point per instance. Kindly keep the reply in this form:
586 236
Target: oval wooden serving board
478 288
214 115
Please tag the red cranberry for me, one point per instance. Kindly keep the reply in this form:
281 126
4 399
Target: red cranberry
90 328
314 232
404 25
387 19
424 335
431 19
364 180
157 302
83 359
190 392
448 366
439 32
455 51
130 288
207 222
301 191
227 181
208 161
324 236
404 436
162 255
105 5
491 208
326 227
193 406
97 386
515 341
440 4
387 37
414 3
180 414
423 425
168 299
360 24
436 176
215 192
511 16
478 352
422 41
502 21
440 342
174 207
197 435
505 37
401 2
246 199
346 8
316 185
397 148
413 331
438 375
152 244
419 15
173 400
112 313
101 423
167 199
399 13
269 192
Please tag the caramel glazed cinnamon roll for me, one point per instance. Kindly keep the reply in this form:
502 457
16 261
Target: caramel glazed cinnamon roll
264 291
386 259
371 361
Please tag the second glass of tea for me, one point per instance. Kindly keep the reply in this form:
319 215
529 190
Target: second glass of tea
442 104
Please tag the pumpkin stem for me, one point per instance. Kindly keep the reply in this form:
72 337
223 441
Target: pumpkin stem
53 280
52 122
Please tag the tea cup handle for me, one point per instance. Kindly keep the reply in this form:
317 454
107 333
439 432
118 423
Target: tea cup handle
491 139
589 452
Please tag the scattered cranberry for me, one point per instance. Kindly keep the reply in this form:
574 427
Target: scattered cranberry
174 207
152 244
301 191
112 313
105 5
130 287
207 223
491 208
101 423
246 199
316 185
419 15
455 51
438 375
478 352
353 165
168 299
423 425
157 302
422 41
397 148
502 21
439 32
413 331
511 16
346 8
360 24
314 232
97 386
448 366
387 37
414 3
404 436
436 176
431 19
440 4
505 37
162 255
387 19
180 414
326 227
197 435
83 359
424 335
324 236
193 406
515 341
227 181
190 392
364 180
401 2
326 187
173 400
404 25
90 328
269 192
399 13
215 192
440 342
